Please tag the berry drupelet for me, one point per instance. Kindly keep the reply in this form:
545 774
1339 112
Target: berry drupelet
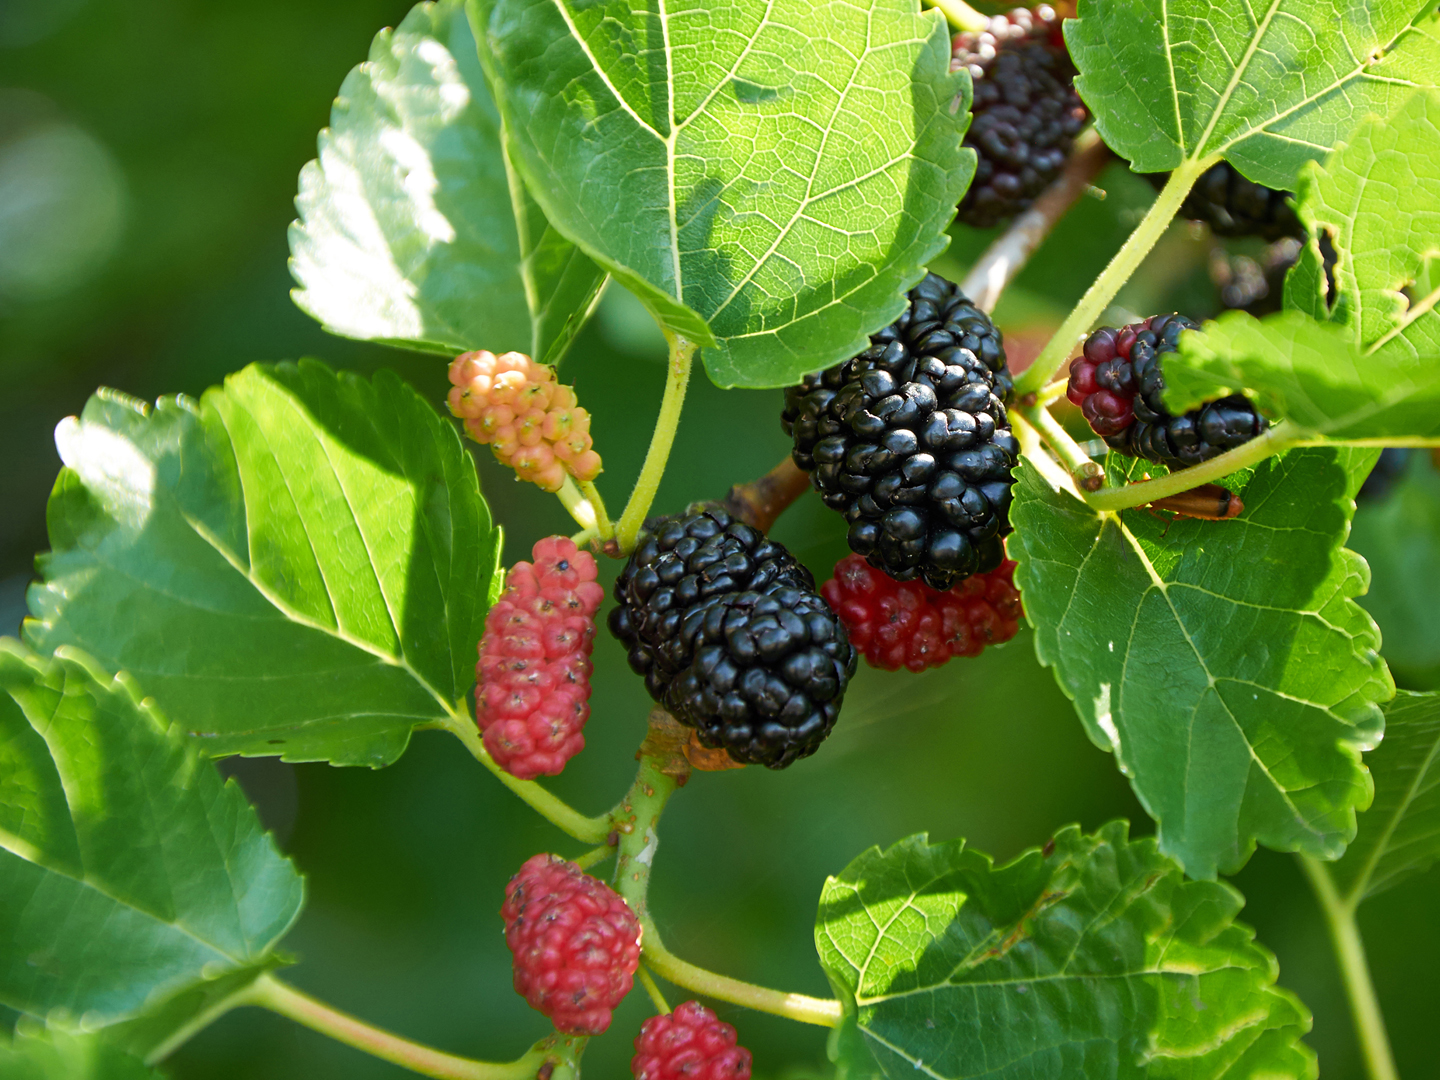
1118 384
575 942
911 442
690 1043
1233 206
534 670
1026 111
907 624
732 638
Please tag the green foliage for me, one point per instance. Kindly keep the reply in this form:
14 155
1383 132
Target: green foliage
1400 834
37 1054
413 229
131 871
297 564
1226 664
1260 85
767 177
1094 958
1397 537
1367 369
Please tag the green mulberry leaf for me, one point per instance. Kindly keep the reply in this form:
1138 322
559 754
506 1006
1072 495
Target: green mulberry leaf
297 564
39 1054
1225 663
1400 539
131 871
1094 958
1182 80
1365 362
414 231
767 176
1400 834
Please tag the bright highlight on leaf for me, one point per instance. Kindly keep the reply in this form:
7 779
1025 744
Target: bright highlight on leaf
58 1055
1095 958
1268 85
131 871
413 230
297 564
1399 835
768 177
1226 664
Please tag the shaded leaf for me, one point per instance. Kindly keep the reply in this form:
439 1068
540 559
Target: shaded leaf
129 870
298 564
1400 834
38 1054
1226 664
767 176
413 230
1176 80
1400 539
1095 958
1309 373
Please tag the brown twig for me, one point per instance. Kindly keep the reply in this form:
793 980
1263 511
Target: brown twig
1013 248
761 501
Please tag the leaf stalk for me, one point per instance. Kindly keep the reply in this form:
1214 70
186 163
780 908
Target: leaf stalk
961 15
1276 440
1354 971
1113 278
677 378
270 993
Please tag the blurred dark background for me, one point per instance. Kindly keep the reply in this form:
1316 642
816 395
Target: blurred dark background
148 156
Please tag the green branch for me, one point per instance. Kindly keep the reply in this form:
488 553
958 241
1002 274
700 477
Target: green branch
1085 471
677 378
1350 952
588 830
1126 261
270 993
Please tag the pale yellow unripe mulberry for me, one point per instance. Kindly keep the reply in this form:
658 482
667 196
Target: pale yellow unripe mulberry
530 422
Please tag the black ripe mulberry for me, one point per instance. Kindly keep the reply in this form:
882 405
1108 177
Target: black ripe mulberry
1118 384
732 637
1026 111
911 442
1234 206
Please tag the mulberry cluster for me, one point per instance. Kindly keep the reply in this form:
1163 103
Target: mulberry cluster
690 1043
1118 384
908 624
575 943
1026 111
530 422
534 669
1234 206
911 442
732 638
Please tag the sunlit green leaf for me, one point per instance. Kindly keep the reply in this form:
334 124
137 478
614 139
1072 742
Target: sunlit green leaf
129 870
413 230
1400 834
1225 663
1094 958
1269 85
38 1054
297 564
768 176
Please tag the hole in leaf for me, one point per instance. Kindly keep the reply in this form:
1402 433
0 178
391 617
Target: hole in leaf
1330 258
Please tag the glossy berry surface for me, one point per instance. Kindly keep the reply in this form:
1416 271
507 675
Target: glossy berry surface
1118 384
1233 206
732 638
910 440
907 624
690 1043
530 422
575 943
533 696
1026 112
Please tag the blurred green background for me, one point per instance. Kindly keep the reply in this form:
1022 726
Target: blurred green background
148 156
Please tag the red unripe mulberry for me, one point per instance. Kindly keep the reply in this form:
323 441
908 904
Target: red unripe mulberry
534 672
689 1044
896 624
575 942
